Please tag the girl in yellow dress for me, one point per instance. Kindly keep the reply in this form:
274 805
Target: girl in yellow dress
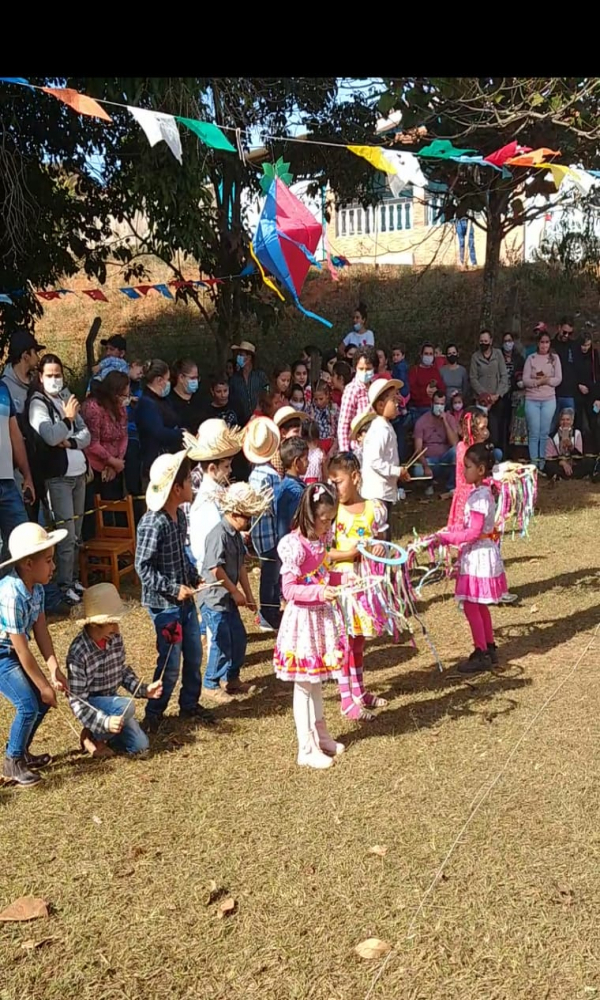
357 520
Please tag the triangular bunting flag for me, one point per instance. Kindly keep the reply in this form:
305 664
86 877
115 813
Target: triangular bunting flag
16 79
208 133
158 127
143 289
407 170
7 299
130 293
499 157
442 149
375 156
533 158
164 291
81 103
96 294
48 296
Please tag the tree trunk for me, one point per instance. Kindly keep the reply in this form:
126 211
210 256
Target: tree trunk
490 270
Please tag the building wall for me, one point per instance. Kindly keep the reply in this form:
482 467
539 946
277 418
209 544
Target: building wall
425 243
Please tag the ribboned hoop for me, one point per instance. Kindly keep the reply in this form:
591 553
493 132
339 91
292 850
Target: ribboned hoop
392 560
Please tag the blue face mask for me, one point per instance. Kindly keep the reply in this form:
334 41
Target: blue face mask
427 359
596 407
365 376
192 385
240 360
358 326
166 389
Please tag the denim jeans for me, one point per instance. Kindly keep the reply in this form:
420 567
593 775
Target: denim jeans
23 694
190 648
226 646
270 594
132 738
12 512
400 425
539 414
443 467
461 231
66 495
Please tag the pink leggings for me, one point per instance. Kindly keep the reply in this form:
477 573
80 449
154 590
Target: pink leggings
480 621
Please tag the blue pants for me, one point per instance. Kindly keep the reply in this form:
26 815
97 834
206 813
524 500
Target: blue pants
539 414
132 738
461 231
190 648
227 646
270 595
400 425
16 686
12 512
443 467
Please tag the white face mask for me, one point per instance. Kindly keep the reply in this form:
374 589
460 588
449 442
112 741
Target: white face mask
438 409
52 384
296 406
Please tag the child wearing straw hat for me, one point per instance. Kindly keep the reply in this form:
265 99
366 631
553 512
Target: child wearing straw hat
168 589
213 448
22 681
261 441
358 431
224 568
97 668
381 469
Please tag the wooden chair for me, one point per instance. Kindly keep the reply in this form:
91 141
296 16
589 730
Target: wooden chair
110 543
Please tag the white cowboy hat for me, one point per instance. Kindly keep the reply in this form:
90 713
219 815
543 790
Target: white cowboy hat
240 498
244 345
261 440
362 420
102 604
381 385
215 440
286 413
29 539
162 476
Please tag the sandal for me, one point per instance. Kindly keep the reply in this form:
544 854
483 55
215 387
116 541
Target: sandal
357 713
373 700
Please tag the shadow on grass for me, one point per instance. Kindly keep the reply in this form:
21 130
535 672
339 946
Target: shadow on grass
537 641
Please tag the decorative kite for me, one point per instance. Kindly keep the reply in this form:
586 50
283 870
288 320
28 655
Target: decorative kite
285 241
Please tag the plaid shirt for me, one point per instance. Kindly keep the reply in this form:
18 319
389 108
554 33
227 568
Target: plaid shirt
160 559
264 528
19 610
93 671
326 419
243 395
354 401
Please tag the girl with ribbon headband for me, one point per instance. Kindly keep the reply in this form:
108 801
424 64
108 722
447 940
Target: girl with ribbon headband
474 430
312 645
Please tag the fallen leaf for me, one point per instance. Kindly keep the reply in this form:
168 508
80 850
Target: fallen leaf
25 908
227 906
97 820
213 892
137 851
372 948
379 850
124 872
533 609
31 945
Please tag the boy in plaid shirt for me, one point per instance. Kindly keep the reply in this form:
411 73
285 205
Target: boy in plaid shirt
97 669
261 442
168 588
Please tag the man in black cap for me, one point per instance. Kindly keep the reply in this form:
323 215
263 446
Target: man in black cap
115 346
23 359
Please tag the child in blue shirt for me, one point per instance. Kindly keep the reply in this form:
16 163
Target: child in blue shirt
288 493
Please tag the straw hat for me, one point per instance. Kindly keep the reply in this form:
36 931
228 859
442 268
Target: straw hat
215 440
162 476
361 421
381 385
244 345
288 413
261 440
102 604
240 498
30 539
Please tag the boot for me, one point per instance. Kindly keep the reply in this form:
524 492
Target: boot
93 746
33 760
493 653
325 740
15 769
478 662
311 756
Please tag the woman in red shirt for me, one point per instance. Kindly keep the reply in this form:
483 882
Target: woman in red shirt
423 381
105 414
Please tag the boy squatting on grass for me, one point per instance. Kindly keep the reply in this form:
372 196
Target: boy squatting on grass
96 668
22 681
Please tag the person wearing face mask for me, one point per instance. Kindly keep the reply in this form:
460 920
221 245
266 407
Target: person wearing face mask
360 335
437 431
541 376
105 415
514 361
247 381
489 382
587 374
567 347
355 398
297 398
454 376
424 379
156 421
184 396
61 436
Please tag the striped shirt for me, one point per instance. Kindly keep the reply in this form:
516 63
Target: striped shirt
19 609
97 672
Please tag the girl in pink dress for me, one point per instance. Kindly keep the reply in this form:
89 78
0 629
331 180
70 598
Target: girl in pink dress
474 430
481 579
312 645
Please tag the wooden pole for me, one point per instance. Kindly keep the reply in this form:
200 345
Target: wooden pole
90 340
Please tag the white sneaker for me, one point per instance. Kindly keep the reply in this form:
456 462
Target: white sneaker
311 756
79 588
73 596
401 494
509 598
429 491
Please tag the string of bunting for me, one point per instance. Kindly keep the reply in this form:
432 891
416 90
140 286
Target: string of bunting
130 291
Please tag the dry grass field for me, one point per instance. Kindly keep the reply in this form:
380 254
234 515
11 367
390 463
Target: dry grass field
492 784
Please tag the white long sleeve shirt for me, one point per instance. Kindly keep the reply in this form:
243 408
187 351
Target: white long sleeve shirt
381 463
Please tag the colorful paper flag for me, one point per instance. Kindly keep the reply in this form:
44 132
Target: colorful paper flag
81 103
375 156
48 296
407 170
143 289
159 127
96 294
7 299
211 135
130 293
499 157
164 291
442 149
533 158
16 79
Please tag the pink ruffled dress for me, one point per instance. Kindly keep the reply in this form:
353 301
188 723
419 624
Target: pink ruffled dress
462 490
481 577
312 644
